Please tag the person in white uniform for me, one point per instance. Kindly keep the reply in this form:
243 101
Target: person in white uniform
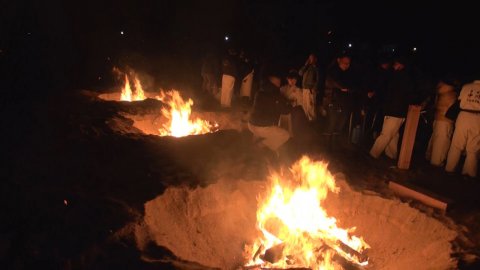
229 69
440 140
466 136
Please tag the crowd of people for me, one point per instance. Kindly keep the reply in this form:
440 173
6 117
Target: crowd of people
341 101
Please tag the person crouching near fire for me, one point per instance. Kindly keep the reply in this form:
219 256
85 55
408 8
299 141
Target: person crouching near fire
268 105
467 131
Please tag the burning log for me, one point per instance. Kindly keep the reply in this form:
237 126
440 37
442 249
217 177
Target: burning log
293 215
273 254
259 250
361 257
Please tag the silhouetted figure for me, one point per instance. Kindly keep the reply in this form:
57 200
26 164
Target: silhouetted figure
442 126
400 92
466 136
267 107
341 87
229 70
209 72
375 97
310 80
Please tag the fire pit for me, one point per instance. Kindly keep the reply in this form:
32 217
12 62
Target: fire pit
153 123
129 92
173 116
276 225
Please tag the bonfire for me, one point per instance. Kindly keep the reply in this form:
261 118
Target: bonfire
180 121
295 230
129 93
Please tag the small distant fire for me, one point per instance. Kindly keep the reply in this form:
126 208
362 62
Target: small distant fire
296 231
180 122
128 93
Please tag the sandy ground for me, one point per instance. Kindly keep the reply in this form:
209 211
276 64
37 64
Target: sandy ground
80 179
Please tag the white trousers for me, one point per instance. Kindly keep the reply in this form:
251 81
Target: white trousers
285 122
246 87
308 103
388 139
439 142
273 136
466 137
227 90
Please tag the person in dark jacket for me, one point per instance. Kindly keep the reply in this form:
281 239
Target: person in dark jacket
268 105
245 73
400 92
341 86
209 72
374 97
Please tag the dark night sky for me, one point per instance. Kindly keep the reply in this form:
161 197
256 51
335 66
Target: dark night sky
71 40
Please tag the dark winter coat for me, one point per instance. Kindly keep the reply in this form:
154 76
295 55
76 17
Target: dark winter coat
268 105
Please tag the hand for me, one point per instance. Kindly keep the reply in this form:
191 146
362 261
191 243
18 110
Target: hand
370 94
323 111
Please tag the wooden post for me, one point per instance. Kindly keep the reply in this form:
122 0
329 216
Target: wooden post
409 137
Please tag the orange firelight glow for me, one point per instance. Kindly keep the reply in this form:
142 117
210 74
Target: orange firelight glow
128 93
294 226
180 122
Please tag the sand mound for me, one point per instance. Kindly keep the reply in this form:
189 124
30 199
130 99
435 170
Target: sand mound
211 225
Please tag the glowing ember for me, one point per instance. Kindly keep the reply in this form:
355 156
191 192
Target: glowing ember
179 117
295 230
127 93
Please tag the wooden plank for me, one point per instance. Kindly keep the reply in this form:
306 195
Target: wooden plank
419 194
409 137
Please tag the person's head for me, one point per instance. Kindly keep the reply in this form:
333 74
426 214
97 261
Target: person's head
384 63
275 80
399 63
451 79
344 62
292 78
232 51
401 60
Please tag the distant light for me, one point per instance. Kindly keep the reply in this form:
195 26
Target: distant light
227 38
65 202
330 32
393 50
329 42
349 45
414 49
29 33
121 32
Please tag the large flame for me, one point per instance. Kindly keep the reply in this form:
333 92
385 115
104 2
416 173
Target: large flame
294 226
180 122
129 94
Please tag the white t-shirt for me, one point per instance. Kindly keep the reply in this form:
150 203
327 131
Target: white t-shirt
292 93
470 96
